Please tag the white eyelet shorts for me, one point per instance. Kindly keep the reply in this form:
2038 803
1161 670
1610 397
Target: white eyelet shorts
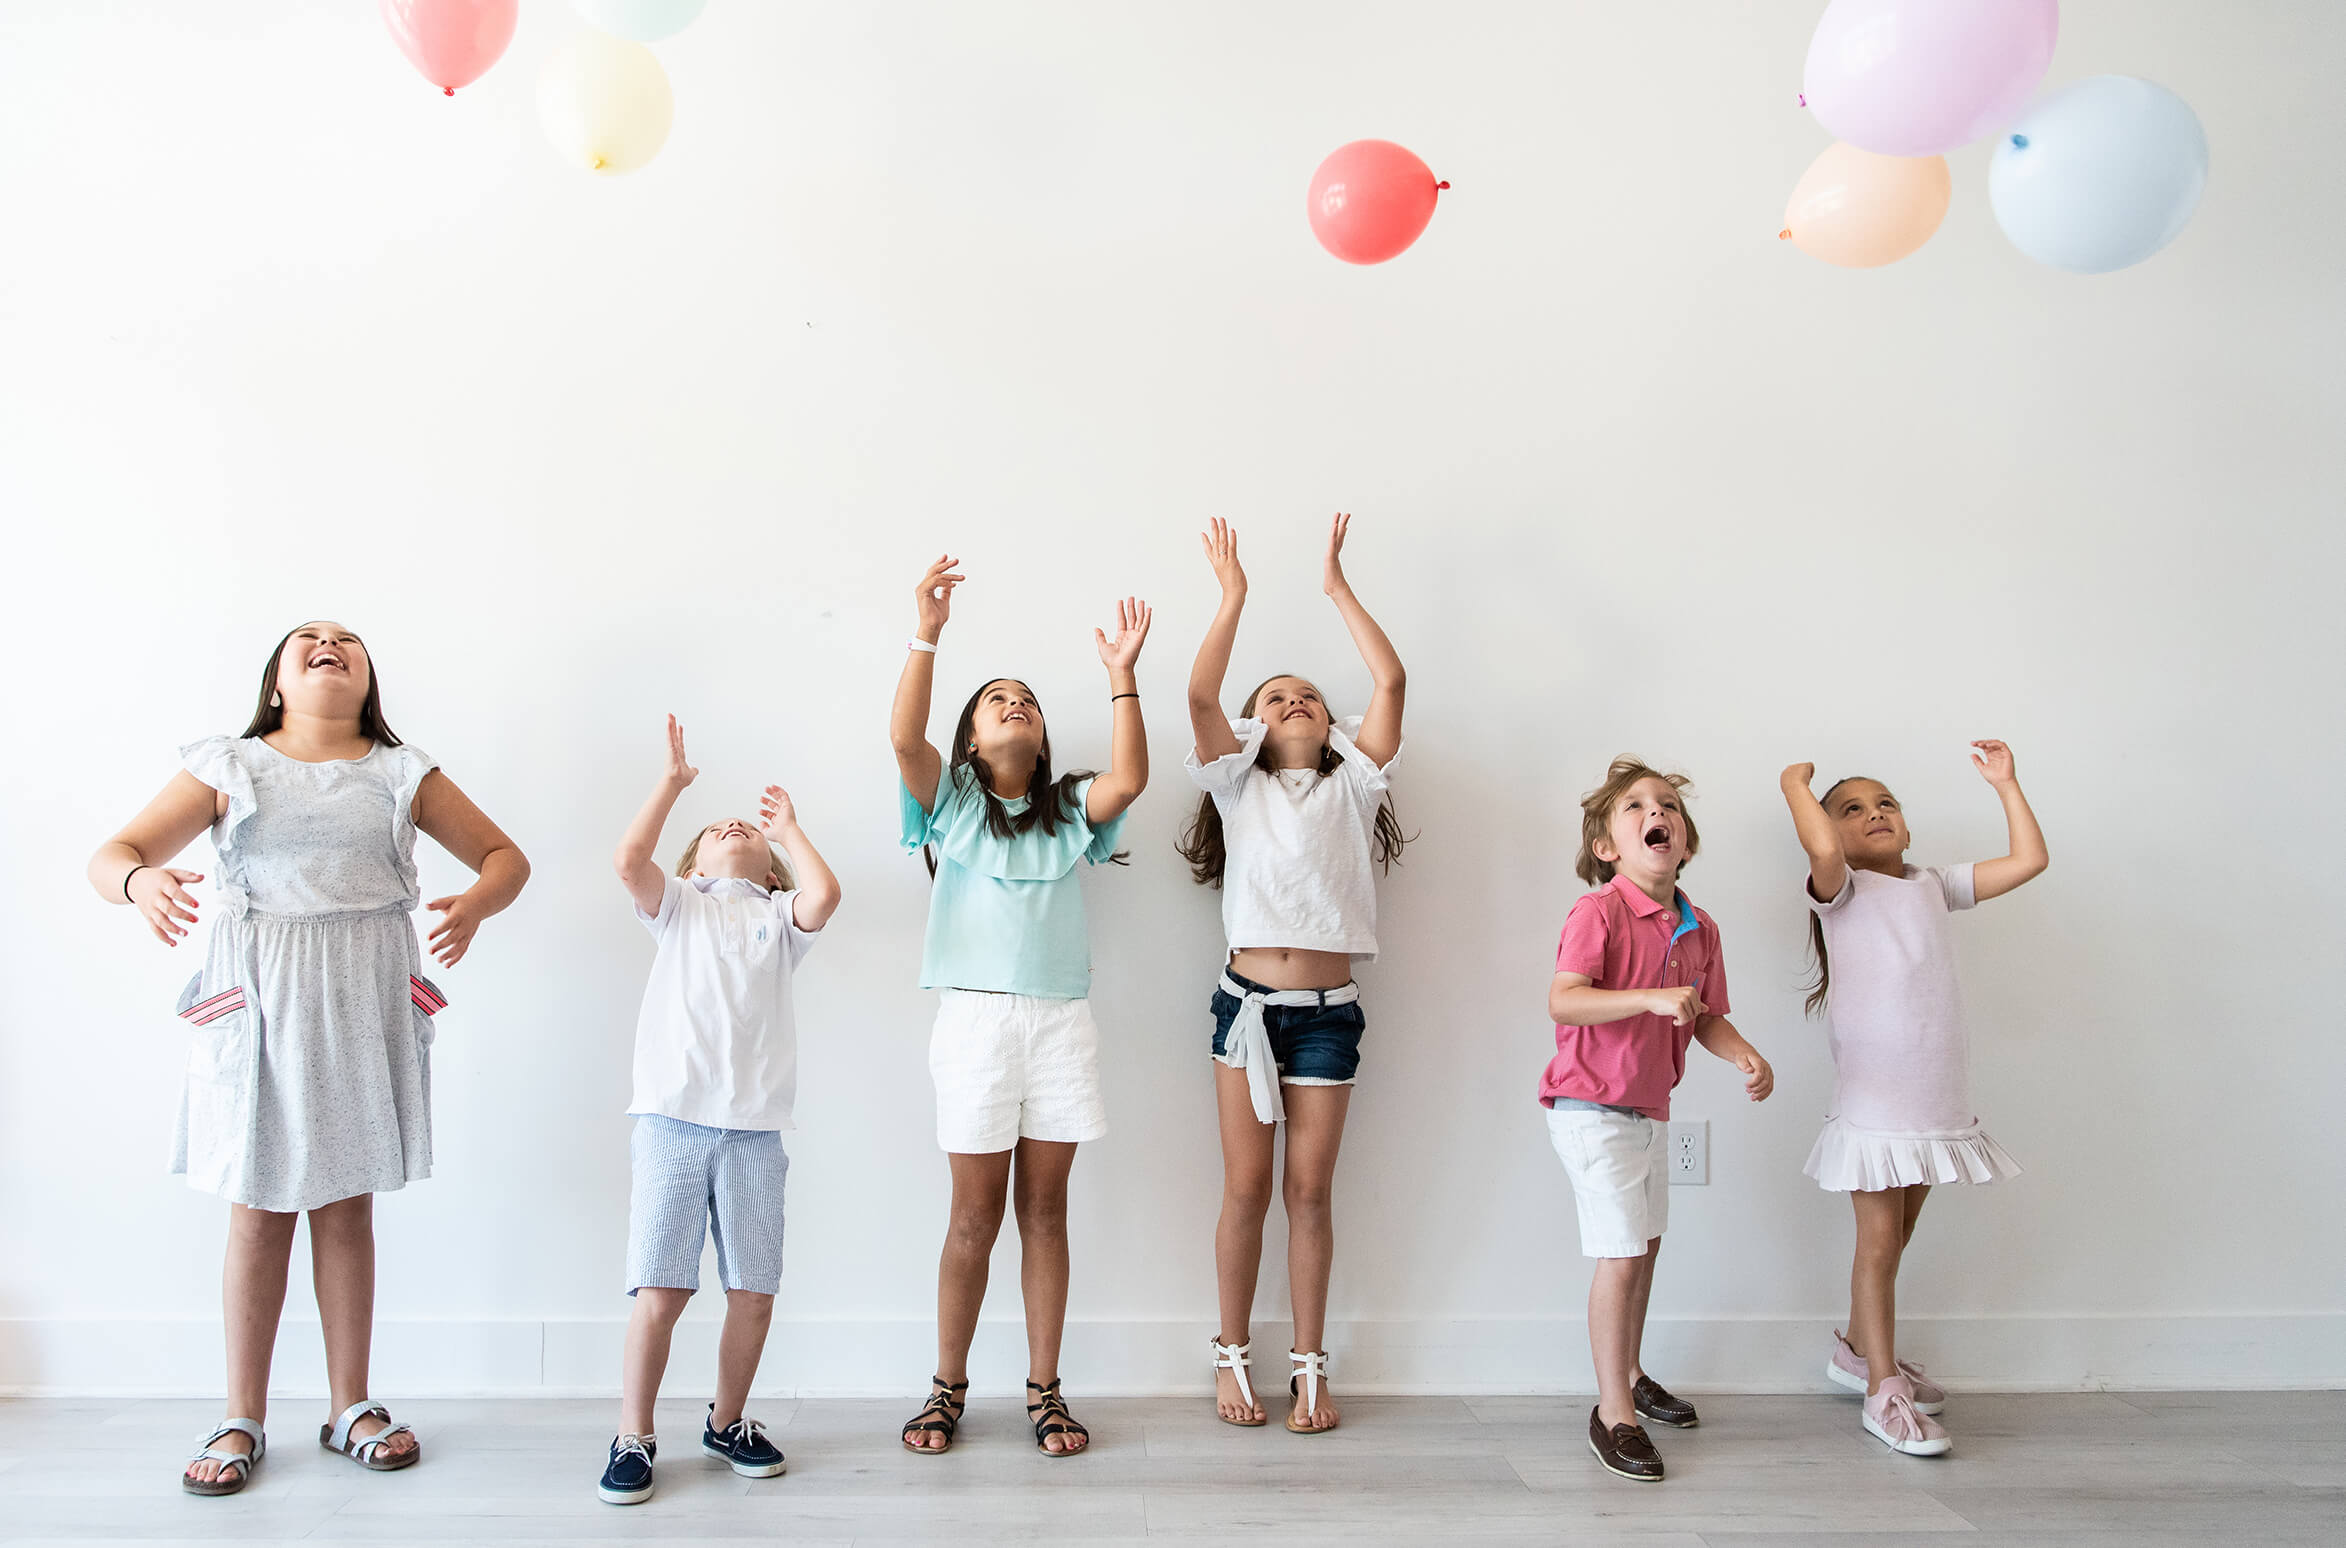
1010 1066
1619 1164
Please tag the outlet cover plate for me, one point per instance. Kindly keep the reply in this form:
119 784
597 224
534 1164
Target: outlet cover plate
1690 1152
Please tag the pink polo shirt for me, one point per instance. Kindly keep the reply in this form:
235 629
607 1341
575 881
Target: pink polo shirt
1621 939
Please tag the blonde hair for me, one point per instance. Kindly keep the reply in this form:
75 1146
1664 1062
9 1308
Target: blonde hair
778 869
1596 815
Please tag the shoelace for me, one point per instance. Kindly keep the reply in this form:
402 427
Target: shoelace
744 1431
627 1444
1900 1414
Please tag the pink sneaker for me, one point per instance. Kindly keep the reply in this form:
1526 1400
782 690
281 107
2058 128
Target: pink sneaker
1892 1419
1847 1369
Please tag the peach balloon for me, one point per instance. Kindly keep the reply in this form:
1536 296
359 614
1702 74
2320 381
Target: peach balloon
1859 210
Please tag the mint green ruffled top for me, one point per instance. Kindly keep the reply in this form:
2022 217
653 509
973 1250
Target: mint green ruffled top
1006 913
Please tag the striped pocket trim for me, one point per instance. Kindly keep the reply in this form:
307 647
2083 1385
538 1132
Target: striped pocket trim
206 1011
427 999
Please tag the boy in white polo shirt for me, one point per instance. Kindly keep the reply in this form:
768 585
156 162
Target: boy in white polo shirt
716 1068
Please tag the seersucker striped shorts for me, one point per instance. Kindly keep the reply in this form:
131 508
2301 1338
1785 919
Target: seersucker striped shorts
691 1182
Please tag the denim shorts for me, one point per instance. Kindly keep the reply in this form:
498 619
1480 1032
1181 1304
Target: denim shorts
1315 1045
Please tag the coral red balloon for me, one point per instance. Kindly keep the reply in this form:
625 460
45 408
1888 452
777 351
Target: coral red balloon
451 42
1370 199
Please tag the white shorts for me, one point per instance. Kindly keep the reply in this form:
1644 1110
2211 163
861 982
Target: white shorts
1619 1164
1010 1066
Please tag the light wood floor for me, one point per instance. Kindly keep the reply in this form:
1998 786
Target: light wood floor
2100 1469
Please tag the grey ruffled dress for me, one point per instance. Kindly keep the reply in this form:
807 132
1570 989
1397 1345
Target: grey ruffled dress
309 1078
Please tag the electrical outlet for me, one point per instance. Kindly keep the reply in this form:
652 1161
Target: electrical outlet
1690 1152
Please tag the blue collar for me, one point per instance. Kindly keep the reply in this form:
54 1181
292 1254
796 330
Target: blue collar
1687 923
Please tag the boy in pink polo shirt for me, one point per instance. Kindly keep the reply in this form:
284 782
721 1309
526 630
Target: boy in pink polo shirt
1639 975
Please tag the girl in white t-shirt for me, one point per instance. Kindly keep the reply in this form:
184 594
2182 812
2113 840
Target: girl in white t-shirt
1293 824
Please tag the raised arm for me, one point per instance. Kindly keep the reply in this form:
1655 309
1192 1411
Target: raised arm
1380 728
636 859
1128 767
465 831
1827 869
2027 858
917 762
818 889
1207 724
128 868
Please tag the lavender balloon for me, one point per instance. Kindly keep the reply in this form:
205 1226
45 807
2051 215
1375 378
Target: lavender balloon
1921 77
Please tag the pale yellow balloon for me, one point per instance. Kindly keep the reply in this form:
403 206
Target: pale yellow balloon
605 103
1860 210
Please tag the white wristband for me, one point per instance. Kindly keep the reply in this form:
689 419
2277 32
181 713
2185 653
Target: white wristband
920 645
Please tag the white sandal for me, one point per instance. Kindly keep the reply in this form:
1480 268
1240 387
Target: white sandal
1235 1359
1311 1368
242 1461
368 1453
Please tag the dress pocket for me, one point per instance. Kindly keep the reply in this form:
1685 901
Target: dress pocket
221 1021
428 1001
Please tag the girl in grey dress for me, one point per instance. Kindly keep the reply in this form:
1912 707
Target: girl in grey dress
309 1073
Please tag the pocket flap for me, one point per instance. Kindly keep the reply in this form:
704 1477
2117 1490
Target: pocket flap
426 995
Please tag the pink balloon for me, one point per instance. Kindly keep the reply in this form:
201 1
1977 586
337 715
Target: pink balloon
1370 199
452 42
1921 77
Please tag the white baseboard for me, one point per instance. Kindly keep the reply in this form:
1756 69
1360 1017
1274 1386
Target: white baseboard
60 1357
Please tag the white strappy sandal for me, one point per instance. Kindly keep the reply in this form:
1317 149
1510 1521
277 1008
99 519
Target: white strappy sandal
242 1462
1234 1359
1311 1368
368 1453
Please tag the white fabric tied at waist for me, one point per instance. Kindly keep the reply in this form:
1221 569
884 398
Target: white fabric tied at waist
1247 1045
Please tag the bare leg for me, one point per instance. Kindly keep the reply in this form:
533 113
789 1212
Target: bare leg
1315 1132
981 1190
1873 1281
1238 1235
1039 1190
1640 1296
342 1262
1612 1336
252 1299
748 1315
650 1326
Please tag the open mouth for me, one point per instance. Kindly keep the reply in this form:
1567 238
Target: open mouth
1017 716
1300 712
1657 837
326 658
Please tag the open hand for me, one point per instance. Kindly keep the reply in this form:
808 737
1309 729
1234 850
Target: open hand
1132 627
1221 544
1332 578
453 934
775 813
1758 1077
934 599
680 773
163 900
1994 762
1682 1005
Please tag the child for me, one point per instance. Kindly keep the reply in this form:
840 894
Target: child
1638 975
1015 1054
309 1082
1901 1118
716 1068
1293 819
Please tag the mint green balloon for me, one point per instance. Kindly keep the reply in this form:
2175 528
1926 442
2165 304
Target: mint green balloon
642 21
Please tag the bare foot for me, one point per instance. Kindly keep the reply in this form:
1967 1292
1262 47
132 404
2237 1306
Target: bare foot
375 1424
207 1469
1233 1408
934 1440
1323 1417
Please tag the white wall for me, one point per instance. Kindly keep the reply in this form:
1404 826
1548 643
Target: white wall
285 333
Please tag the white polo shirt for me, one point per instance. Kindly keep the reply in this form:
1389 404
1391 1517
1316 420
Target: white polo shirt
715 1043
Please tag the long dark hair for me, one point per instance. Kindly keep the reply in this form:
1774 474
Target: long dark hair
1049 802
1816 921
268 715
1202 842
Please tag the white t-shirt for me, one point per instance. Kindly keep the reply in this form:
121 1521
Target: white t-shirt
715 1043
1298 873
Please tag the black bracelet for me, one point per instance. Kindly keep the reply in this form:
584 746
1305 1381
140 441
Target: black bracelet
1112 698
126 876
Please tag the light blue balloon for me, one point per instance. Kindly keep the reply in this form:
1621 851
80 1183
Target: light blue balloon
644 21
2099 175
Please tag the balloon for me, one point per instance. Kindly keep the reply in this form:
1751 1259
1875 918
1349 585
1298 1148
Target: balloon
453 42
1860 210
605 103
1370 199
1920 77
2099 175
644 21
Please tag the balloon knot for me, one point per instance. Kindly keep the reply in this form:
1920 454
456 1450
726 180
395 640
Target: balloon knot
1804 99
1784 235
448 91
1439 186
2020 142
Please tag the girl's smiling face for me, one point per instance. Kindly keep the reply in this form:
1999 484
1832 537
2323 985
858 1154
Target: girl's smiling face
1297 718
323 670
1870 821
1007 722
1645 837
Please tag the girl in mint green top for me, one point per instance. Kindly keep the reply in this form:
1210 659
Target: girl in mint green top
1014 1053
